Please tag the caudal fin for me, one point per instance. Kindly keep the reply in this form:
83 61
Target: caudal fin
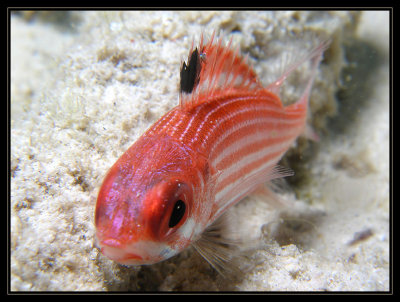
315 55
300 107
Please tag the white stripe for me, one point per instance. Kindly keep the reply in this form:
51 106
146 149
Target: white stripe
249 140
201 178
205 122
242 186
208 115
174 127
251 122
251 158
246 183
160 122
188 126
187 229
229 116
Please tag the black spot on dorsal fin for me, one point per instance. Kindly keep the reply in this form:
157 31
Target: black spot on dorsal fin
190 74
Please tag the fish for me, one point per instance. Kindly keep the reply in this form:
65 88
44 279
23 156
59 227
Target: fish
223 140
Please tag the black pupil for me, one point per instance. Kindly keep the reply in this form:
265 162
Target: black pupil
177 213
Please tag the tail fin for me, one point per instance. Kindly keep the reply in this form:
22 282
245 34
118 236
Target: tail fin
301 105
315 55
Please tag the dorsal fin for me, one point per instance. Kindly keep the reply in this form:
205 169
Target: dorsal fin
190 73
214 69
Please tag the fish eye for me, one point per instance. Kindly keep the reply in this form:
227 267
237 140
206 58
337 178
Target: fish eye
177 213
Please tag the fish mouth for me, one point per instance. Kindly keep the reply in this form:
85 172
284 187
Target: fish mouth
124 254
116 251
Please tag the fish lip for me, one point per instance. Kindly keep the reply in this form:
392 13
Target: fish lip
115 251
138 252
132 256
110 242
118 255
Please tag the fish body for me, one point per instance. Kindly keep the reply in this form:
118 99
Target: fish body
220 143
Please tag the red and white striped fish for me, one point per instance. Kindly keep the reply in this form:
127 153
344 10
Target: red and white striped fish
218 145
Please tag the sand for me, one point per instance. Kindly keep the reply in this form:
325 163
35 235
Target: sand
86 85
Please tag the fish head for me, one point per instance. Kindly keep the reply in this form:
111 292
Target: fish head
145 209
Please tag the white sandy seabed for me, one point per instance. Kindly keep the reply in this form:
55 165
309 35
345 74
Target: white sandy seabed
83 89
